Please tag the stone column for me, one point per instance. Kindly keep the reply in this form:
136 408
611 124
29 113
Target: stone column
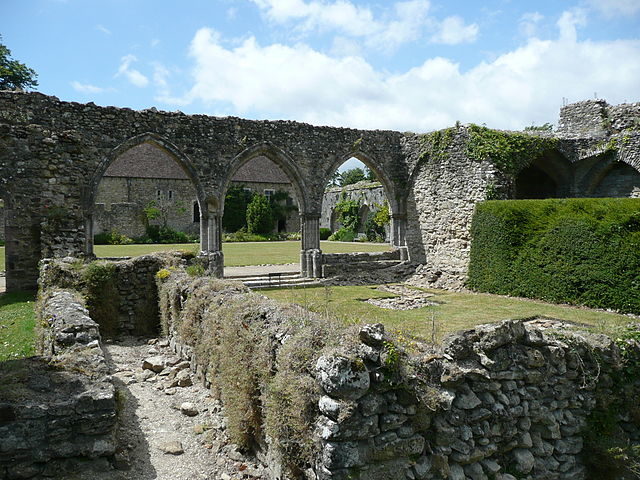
310 255
211 244
398 230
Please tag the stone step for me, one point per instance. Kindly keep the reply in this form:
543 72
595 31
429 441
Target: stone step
282 275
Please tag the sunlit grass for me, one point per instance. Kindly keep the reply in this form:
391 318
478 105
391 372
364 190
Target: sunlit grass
17 322
455 311
244 253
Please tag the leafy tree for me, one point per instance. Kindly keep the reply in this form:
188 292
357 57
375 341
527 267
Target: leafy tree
259 215
281 205
235 208
370 175
13 74
354 175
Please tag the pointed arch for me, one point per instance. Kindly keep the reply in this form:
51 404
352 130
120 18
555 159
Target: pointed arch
89 196
548 176
396 206
91 189
278 156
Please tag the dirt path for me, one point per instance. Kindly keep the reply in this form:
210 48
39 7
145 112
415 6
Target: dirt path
168 432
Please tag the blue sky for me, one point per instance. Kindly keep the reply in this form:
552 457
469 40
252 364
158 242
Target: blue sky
415 65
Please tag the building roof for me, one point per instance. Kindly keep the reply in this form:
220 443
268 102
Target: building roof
149 161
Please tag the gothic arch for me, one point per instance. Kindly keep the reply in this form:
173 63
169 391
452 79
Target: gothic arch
91 189
277 156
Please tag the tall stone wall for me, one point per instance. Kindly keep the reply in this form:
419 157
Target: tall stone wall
54 155
443 193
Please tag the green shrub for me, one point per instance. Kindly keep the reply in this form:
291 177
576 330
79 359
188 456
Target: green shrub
165 234
343 235
325 233
259 215
111 238
579 251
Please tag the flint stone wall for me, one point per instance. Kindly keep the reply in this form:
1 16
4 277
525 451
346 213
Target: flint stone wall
370 194
502 401
57 410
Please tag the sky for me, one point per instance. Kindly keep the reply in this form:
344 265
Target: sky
415 65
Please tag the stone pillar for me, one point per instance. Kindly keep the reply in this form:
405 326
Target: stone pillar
310 255
398 230
88 238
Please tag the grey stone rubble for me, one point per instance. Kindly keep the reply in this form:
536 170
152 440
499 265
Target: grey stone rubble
407 298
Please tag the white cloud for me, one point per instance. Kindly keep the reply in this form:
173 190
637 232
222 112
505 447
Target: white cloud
103 29
529 23
453 31
568 23
613 8
518 88
134 76
402 23
86 87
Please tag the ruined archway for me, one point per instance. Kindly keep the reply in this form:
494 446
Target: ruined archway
374 193
144 188
269 172
617 180
548 176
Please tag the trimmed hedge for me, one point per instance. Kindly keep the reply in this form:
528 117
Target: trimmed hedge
579 251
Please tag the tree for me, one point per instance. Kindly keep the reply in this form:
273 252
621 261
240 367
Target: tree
354 175
259 215
235 208
13 74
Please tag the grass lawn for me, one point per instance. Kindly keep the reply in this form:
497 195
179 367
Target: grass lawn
456 311
245 253
17 321
237 253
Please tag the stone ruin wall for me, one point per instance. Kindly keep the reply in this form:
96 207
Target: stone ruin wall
53 149
370 194
503 401
441 202
58 410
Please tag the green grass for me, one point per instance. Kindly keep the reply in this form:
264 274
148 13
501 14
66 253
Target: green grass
244 253
456 311
237 253
17 322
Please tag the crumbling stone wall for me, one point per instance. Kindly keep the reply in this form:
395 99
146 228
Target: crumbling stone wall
504 401
444 191
58 409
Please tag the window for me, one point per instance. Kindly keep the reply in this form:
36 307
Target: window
269 192
159 194
247 189
170 194
196 212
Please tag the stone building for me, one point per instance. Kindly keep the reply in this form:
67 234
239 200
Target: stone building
147 174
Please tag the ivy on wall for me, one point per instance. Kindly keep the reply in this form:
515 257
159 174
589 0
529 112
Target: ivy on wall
508 151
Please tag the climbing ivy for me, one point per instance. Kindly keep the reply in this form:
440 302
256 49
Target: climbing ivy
509 151
436 144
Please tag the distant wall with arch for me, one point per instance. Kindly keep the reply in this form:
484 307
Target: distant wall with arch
370 195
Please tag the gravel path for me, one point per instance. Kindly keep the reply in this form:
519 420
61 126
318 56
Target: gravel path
168 432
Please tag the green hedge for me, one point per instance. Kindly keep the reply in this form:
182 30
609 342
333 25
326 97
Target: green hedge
579 251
